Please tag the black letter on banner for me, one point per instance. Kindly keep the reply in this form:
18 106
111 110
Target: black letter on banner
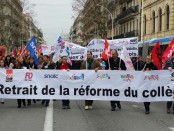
127 92
144 93
107 92
51 91
169 92
7 90
45 90
116 92
81 91
1 89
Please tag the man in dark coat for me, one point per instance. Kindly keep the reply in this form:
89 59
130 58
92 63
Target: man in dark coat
170 66
46 66
115 64
148 66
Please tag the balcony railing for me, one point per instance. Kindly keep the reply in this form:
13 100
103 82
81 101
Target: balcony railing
109 22
127 35
128 12
132 34
123 1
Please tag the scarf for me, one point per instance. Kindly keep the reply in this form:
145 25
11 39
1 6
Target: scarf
89 62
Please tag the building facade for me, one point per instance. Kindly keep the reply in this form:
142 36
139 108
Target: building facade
145 19
10 22
91 22
16 27
126 18
158 19
76 34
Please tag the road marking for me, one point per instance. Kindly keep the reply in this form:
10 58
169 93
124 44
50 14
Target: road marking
171 128
48 124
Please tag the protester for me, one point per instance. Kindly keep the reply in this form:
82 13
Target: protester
64 66
40 65
8 61
46 65
170 66
30 66
115 64
90 64
139 64
76 65
148 66
20 64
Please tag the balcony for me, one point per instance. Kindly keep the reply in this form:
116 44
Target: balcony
127 14
132 34
127 35
109 22
123 1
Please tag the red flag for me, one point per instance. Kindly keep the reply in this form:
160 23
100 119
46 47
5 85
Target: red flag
19 50
168 52
39 50
14 52
26 52
106 53
156 56
3 52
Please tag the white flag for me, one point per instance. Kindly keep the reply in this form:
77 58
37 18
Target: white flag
125 57
57 49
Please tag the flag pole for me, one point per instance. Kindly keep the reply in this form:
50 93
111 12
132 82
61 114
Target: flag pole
120 60
22 52
109 63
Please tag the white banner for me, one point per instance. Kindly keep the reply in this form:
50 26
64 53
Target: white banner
47 49
77 52
134 86
97 46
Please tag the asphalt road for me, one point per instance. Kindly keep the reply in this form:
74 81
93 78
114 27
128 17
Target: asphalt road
130 118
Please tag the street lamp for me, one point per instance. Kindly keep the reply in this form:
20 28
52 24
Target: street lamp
111 19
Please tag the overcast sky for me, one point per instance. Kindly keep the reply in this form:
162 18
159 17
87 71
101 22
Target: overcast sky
53 17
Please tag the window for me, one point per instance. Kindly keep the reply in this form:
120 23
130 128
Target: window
124 28
153 21
160 19
133 25
145 21
167 17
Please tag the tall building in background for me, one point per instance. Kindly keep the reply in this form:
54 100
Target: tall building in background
127 18
16 27
10 22
158 19
145 19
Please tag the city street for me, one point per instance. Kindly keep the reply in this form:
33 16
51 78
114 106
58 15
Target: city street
130 118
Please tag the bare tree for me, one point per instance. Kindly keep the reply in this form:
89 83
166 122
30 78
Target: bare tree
77 6
28 7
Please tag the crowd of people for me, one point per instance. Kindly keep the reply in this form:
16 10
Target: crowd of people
45 62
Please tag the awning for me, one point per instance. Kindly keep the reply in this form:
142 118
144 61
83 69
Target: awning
161 40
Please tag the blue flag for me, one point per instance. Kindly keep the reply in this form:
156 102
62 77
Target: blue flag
32 48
